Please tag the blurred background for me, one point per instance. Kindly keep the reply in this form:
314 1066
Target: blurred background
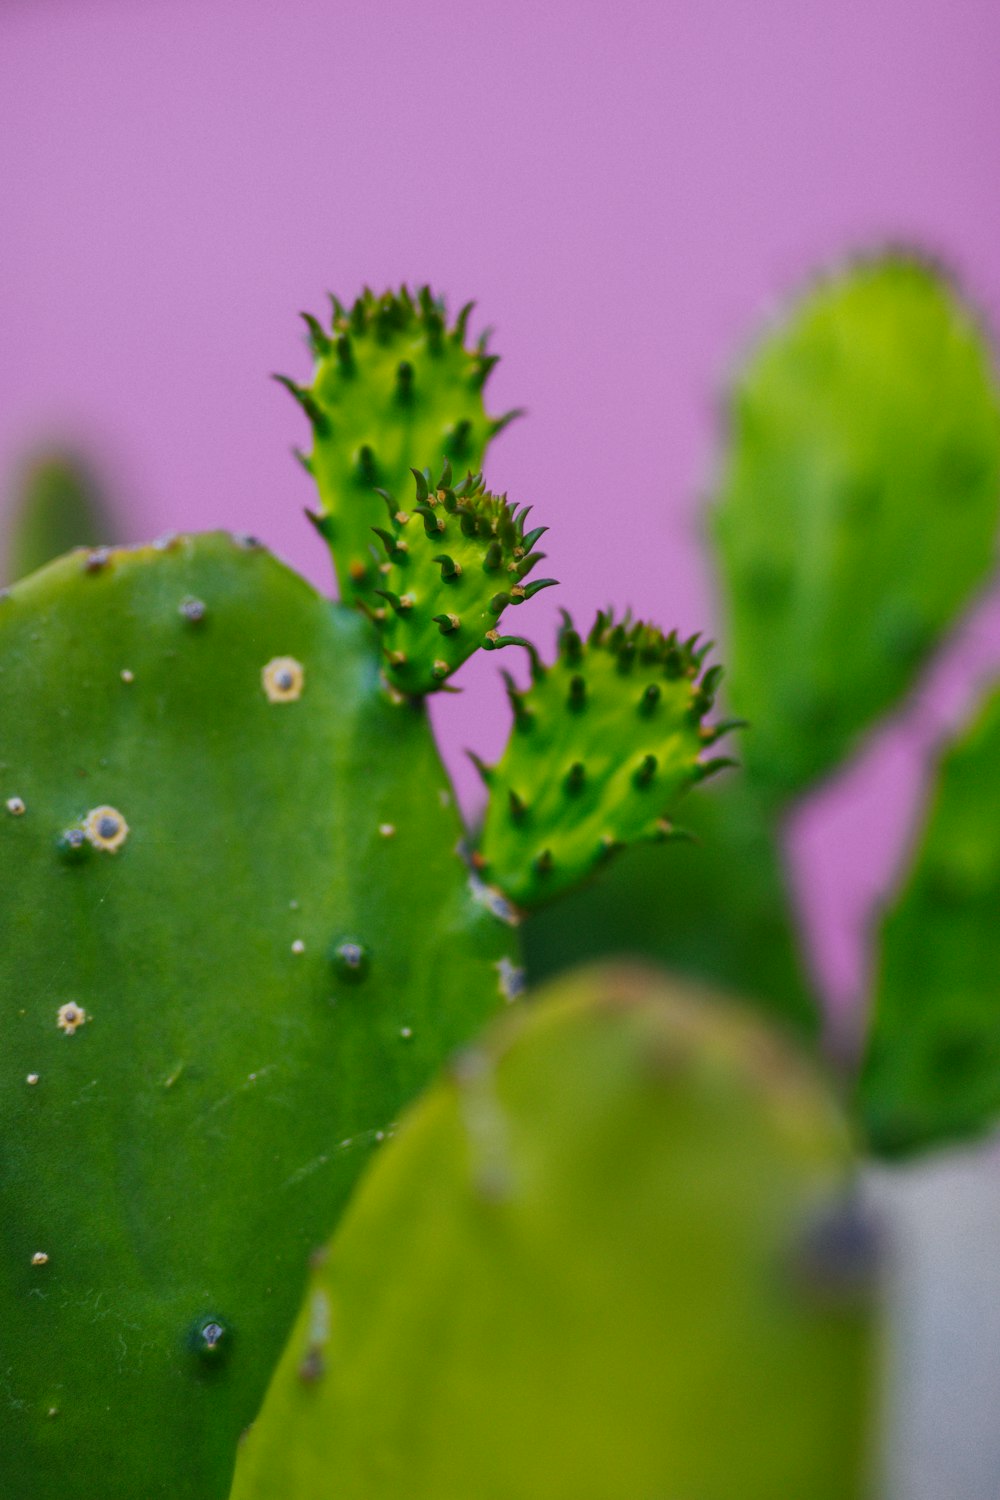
628 190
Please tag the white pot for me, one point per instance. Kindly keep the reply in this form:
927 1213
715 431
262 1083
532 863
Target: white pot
942 1424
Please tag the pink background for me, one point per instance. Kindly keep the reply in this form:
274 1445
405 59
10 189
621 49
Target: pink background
624 187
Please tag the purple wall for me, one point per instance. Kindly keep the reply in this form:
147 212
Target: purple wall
624 187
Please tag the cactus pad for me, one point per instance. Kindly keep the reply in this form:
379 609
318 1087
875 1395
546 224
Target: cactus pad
394 388
611 1256
223 971
455 559
857 508
604 742
932 1073
715 909
56 504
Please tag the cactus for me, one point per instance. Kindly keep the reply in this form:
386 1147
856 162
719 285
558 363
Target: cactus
857 509
855 517
932 1070
613 1253
261 963
56 504
604 742
242 924
456 560
394 389
713 906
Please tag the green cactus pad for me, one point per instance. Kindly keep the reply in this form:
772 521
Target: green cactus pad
612 1256
56 504
455 559
236 939
857 508
932 1073
394 388
715 908
604 742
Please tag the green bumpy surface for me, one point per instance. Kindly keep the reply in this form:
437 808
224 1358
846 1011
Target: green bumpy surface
217 991
857 509
604 742
55 505
715 908
932 1073
394 389
608 1258
455 559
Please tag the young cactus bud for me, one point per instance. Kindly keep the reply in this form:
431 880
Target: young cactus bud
393 386
455 559
605 740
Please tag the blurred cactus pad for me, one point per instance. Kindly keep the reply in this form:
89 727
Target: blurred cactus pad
853 520
613 1254
55 503
932 1070
856 509
243 922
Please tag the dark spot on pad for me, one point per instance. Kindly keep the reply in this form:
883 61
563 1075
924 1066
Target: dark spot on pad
211 1340
351 960
312 1367
838 1257
73 844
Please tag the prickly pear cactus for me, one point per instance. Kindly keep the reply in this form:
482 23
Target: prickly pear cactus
613 1254
55 504
455 560
241 922
715 907
855 516
932 1072
604 742
394 389
236 938
857 508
